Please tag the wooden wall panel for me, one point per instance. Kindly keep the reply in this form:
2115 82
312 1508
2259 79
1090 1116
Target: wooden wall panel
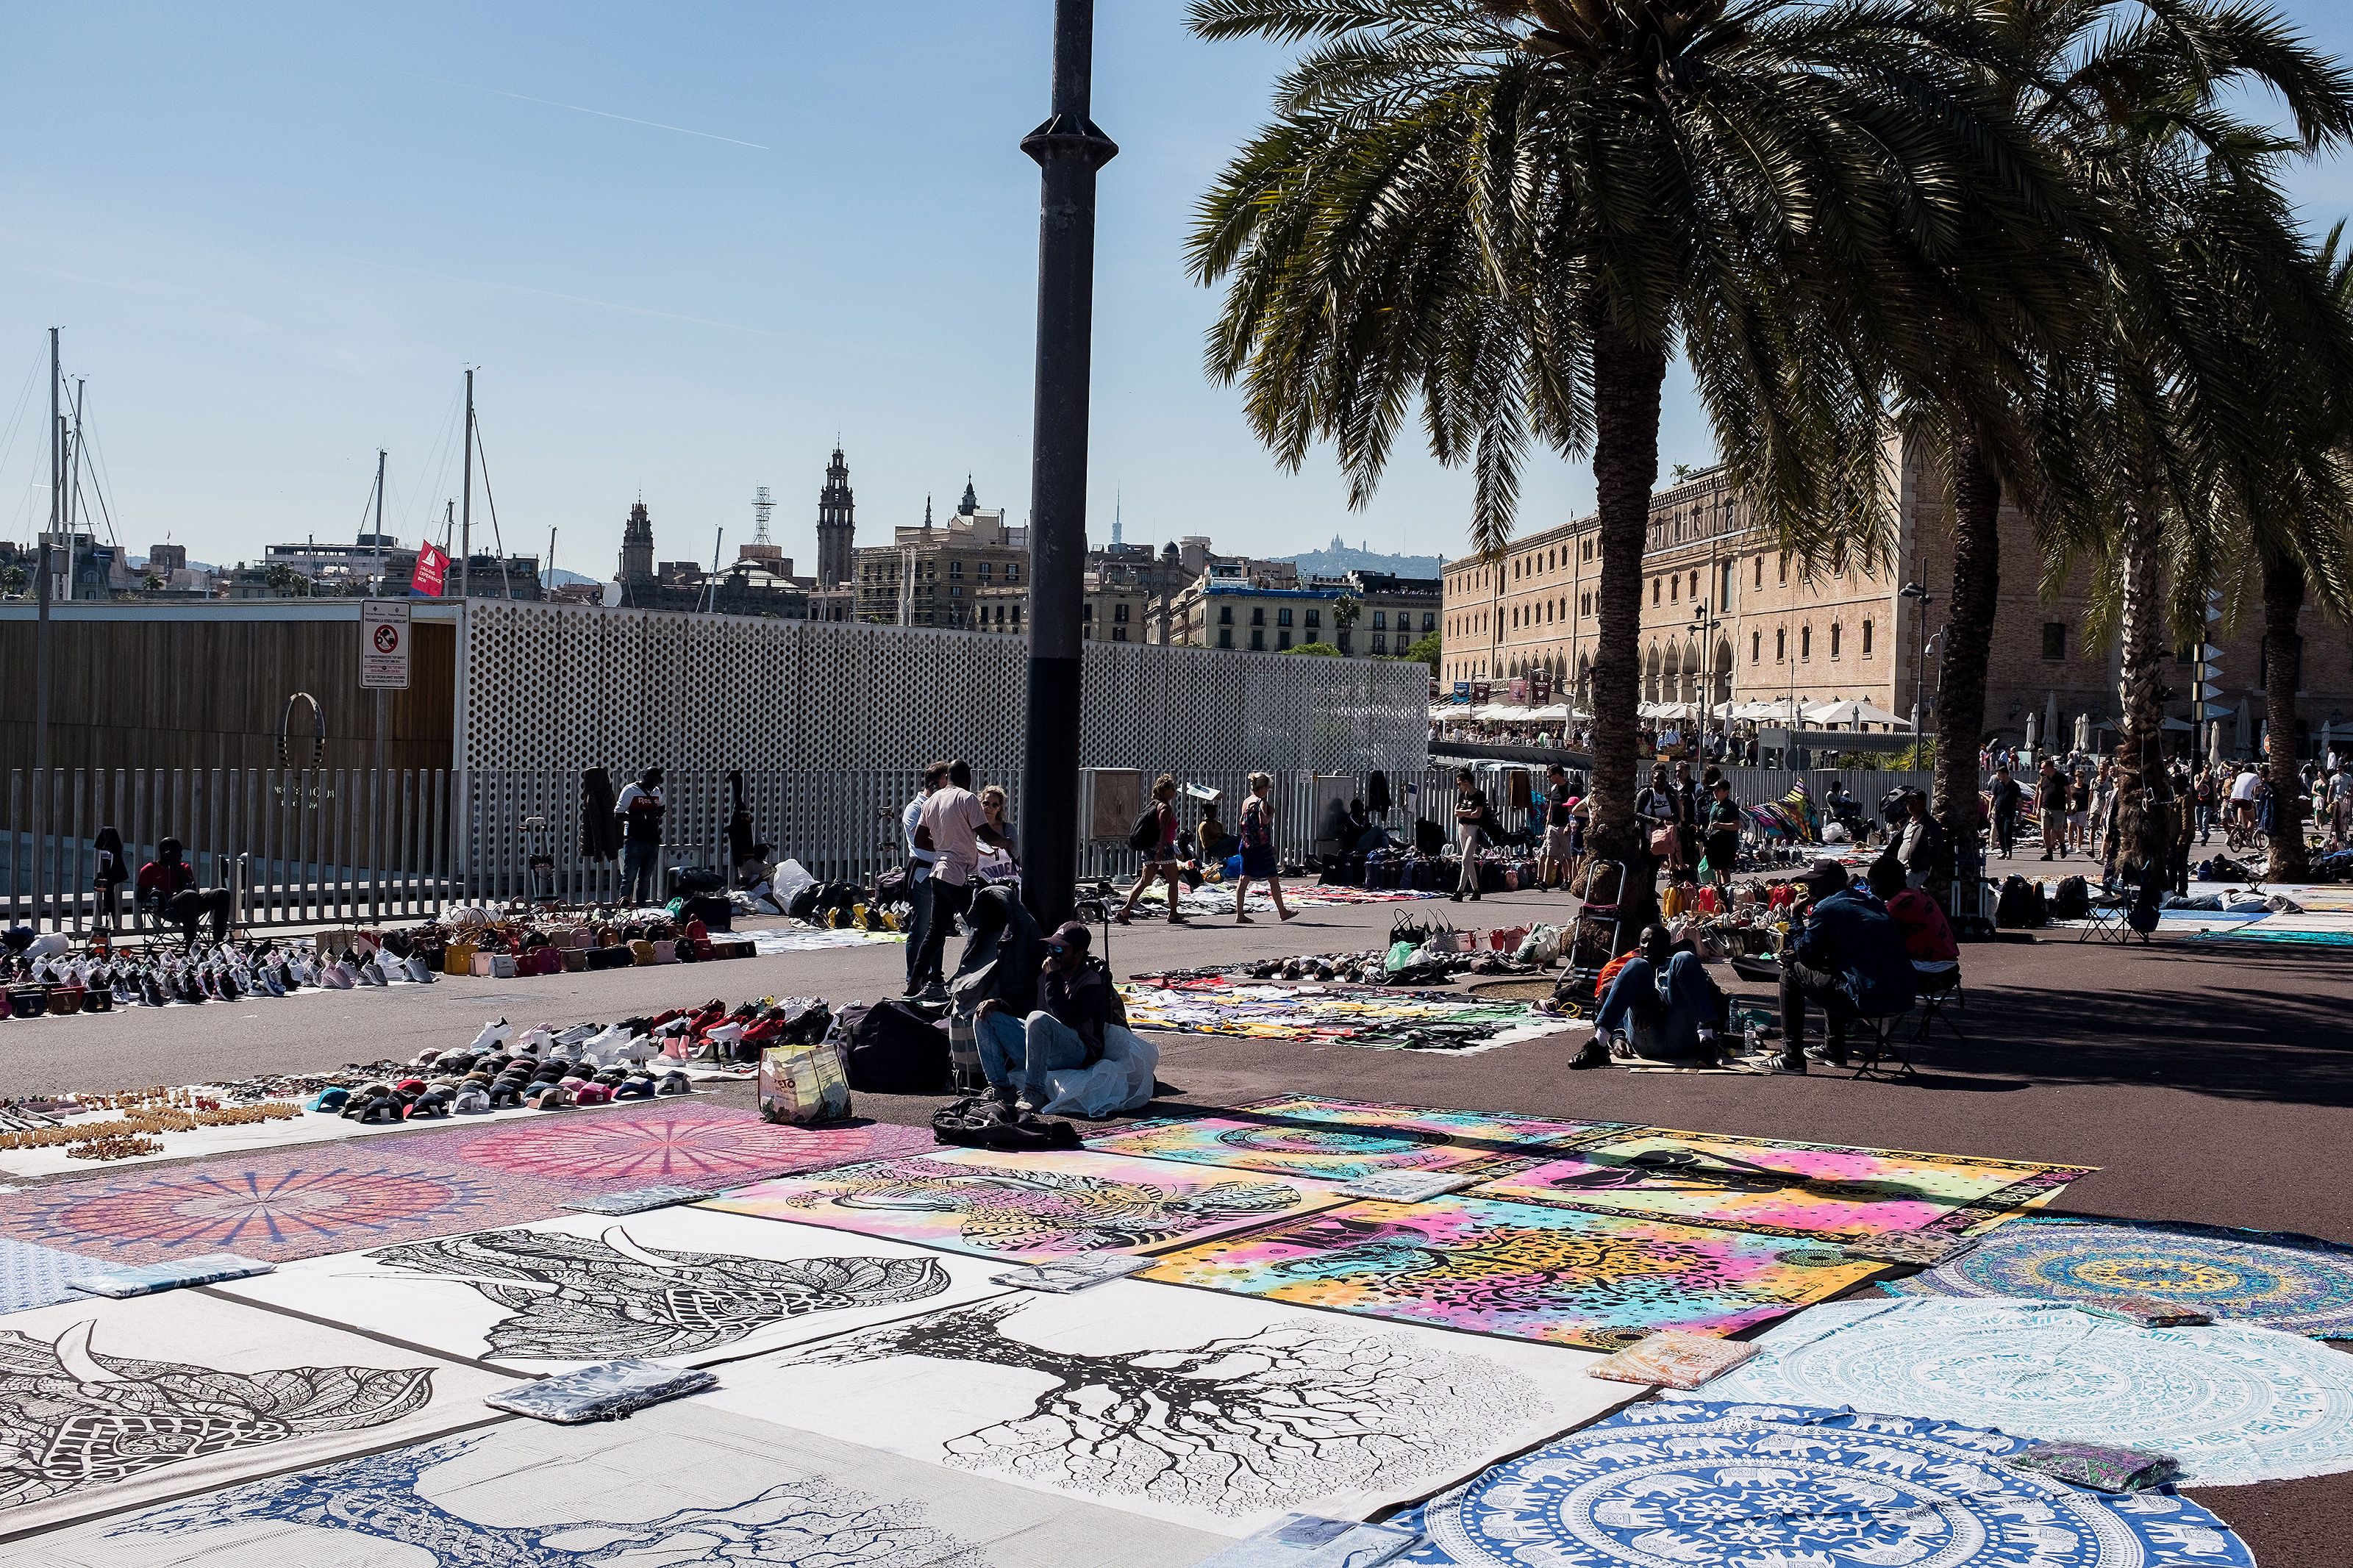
209 694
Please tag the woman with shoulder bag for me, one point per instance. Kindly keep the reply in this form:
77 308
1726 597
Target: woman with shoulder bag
1258 848
1659 809
1472 815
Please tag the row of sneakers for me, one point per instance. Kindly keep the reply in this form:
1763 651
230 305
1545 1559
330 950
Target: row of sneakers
228 973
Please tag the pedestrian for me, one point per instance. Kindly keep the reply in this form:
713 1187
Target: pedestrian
1689 798
1258 848
2006 798
2079 812
640 810
2051 807
1560 830
1660 810
919 861
2202 795
1472 816
1722 822
998 861
1158 846
952 826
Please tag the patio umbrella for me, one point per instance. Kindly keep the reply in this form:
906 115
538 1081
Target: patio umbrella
1851 712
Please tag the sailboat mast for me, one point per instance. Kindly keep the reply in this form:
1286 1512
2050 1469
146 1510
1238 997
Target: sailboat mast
380 555
466 525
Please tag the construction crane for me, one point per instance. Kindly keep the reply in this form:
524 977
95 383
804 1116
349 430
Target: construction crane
762 503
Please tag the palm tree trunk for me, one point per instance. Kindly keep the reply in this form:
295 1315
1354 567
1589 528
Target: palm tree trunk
2282 603
1627 378
1975 520
2142 788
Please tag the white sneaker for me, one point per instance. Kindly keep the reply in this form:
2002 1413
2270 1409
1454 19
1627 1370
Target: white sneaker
533 1041
493 1035
336 976
601 1049
579 1032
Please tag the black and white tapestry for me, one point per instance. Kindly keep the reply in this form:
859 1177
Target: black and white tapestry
677 1486
105 1404
1218 1412
683 1284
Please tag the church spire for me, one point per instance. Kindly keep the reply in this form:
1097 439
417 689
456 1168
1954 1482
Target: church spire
971 503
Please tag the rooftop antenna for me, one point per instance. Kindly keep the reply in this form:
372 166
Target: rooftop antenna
1118 498
762 503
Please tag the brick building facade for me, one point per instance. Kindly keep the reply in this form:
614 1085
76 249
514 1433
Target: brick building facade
1728 617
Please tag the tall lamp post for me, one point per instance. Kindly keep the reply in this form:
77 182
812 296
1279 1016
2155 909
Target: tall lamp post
1919 591
1069 148
1704 623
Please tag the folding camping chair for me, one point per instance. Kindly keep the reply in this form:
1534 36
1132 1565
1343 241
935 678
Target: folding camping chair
2111 905
1939 988
1881 1056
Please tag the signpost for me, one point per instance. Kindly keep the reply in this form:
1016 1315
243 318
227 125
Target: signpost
383 657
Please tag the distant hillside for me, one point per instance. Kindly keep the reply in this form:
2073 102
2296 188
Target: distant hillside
1337 558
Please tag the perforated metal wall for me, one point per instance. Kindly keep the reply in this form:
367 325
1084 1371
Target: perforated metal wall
560 688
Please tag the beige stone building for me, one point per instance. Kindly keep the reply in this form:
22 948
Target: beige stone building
1728 617
933 576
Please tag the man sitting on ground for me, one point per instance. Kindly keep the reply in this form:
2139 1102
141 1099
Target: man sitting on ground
1928 934
1668 998
1848 959
1075 1002
167 887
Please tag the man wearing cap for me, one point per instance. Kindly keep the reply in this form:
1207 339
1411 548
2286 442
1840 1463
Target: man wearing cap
1075 1002
1848 958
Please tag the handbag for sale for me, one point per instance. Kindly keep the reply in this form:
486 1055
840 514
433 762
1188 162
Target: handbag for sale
803 1084
65 999
28 1001
1662 843
98 999
458 958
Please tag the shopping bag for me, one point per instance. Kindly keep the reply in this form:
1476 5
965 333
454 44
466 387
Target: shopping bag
803 1084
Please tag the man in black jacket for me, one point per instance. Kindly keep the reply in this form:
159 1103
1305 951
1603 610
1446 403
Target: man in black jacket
1075 1003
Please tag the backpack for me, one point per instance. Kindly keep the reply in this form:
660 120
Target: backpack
2072 900
2019 906
894 1049
1144 836
979 1124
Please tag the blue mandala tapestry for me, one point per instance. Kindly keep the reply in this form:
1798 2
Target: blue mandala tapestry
1700 1482
2298 1284
37 1276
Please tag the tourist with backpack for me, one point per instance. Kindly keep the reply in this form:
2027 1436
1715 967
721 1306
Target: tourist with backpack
1154 837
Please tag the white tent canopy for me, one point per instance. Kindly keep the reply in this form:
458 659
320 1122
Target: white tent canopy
1780 710
1853 713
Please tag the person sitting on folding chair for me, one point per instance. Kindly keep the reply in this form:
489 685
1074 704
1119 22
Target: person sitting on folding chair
1672 1003
168 889
1928 934
1848 959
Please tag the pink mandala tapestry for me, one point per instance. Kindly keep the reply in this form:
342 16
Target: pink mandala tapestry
683 1145
278 1207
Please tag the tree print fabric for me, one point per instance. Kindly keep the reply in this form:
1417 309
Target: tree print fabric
681 1285
1207 1410
1493 1132
1707 1482
1522 1270
2299 1284
1829 1191
2233 1403
1031 1206
1279 1148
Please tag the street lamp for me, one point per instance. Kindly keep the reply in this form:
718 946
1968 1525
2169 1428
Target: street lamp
1704 623
1918 591
1069 148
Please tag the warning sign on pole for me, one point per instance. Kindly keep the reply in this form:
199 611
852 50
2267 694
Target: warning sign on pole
383 645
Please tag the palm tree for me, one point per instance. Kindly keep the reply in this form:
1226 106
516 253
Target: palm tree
1515 212
2109 435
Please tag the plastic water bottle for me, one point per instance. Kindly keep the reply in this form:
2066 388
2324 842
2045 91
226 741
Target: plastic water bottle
1748 1040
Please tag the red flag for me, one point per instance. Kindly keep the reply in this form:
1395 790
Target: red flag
432 567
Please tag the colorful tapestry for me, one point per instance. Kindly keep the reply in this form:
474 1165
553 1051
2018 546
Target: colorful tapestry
1708 1483
36 1276
1286 1149
1779 1188
1493 1132
1218 1003
2296 1283
108 1405
2233 1403
2303 930
705 1145
678 1486
1525 1270
1030 1206
683 1284
1211 1411
812 938
274 1207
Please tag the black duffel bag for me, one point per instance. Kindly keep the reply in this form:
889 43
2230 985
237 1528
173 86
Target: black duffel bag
894 1049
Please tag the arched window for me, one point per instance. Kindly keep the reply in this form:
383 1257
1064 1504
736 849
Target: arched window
1805 642
1755 647
1760 570
1785 566
1866 639
1674 586
1834 639
1780 643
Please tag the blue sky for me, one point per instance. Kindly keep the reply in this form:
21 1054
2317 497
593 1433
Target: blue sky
276 233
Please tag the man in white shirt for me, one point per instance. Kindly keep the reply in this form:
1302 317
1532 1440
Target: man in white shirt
2242 792
919 861
953 824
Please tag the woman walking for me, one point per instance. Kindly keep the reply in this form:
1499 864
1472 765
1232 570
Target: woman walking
1158 845
1258 848
1472 815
